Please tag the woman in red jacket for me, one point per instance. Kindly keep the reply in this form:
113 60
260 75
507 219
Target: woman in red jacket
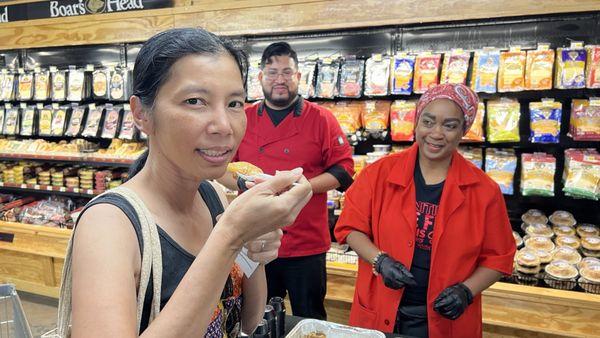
431 229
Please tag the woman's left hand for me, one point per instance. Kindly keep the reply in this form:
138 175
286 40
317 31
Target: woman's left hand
265 248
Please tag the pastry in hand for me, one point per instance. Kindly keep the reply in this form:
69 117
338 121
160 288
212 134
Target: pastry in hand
243 168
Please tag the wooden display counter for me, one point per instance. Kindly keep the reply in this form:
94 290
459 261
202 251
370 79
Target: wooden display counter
509 310
31 257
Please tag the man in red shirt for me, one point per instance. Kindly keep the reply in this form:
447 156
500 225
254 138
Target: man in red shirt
284 131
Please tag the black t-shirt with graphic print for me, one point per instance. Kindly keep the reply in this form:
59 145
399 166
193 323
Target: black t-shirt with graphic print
428 199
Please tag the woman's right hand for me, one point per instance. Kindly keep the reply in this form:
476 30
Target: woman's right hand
265 207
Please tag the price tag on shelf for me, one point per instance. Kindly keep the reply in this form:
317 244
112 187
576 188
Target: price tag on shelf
515 49
23 105
53 69
126 106
40 106
92 106
55 105
1 184
89 68
7 105
76 190
576 44
4 70
21 71
89 192
543 46
23 186
36 187
62 189
49 188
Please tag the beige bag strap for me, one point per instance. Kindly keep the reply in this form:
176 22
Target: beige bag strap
151 264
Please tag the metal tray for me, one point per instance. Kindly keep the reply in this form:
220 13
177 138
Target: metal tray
331 330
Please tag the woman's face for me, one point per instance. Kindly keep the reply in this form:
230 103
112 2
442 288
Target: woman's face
198 119
439 129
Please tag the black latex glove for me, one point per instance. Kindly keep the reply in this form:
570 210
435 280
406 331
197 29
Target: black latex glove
453 301
395 275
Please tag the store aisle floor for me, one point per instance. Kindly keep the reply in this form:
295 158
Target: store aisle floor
40 311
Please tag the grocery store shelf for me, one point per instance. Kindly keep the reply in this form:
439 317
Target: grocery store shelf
48 189
80 159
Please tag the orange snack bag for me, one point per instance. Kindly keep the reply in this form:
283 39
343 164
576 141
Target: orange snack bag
348 115
376 115
511 76
427 68
538 73
402 120
455 68
592 69
475 133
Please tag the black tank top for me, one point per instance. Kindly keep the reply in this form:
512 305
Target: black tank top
175 260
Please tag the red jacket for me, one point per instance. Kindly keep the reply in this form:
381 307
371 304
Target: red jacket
310 138
471 230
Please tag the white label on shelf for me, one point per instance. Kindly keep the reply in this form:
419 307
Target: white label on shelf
23 105
7 105
1 184
76 190
21 71
89 192
62 189
49 188
576 44
4 70
53 69
515 49
36 187
127 106
89 68
23 186
337 212
40 106
55 105
92 106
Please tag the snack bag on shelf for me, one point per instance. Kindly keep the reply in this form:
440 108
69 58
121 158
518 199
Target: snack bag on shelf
475 133
427 67
92 123
255 91
59 84
511 74
377 75
42 85
455 67
570 67
585 120
540 64
402 120
503 120
59 120
500 165
592 69
119 84
545 121
484 78
111 121
76 84
582 174
473 154
11 120
27 120
127 126
348 115
76 120
537 174
25 87
306 85
327 78
2 113
45 120
402 74
351 78
100 84
376 115
7 85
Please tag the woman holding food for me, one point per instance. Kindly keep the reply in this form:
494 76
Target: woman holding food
430 228
189 99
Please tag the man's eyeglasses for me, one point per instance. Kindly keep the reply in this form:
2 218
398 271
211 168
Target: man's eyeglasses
273 74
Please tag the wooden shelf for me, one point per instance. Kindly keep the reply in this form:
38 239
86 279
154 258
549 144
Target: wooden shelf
97 161
48 189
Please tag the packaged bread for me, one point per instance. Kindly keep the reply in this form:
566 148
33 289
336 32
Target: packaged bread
402 74
427 67
253 84
244 168
475 133
59 120
118 84
455 67
377 75
42 85
402 120
327 78
500 165
484 77
592 69
7 86
76 119
92 123
570 67
511 73
306 85
503 120
112 118
11 120
27 121
537 175
545 120
351 77
45 121
25 87
540 64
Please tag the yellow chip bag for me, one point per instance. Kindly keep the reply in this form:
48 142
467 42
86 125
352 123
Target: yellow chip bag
503 120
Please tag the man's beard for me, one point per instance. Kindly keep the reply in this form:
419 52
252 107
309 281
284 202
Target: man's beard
280 102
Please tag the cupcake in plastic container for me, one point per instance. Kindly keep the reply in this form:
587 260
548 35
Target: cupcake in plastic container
563 230
527 266
590 246
566 254
588 261
585 230
539 230
539 243
590 278
561 275
534 216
